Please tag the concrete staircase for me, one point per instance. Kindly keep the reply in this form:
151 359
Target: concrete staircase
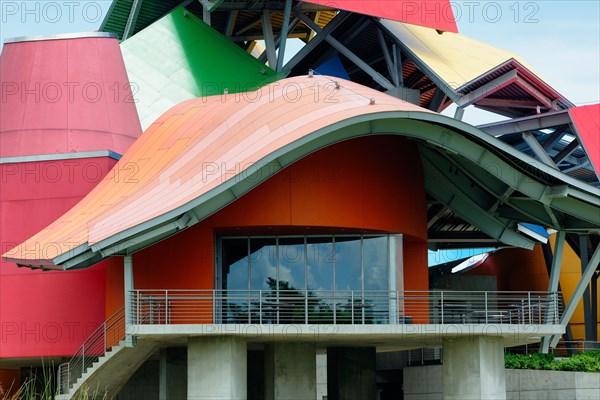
107 376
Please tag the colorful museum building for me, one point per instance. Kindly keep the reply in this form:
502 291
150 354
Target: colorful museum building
187 213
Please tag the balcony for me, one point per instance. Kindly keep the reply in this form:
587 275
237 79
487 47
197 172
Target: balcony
342 307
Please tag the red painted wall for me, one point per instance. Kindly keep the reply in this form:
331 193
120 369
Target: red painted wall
46 313
371 184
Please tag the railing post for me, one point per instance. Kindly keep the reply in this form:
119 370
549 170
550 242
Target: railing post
352 307
105 333
529 306
260 301
214 306
306 307
485 297
166 307
442 306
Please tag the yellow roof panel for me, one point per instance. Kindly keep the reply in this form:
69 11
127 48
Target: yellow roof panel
455 58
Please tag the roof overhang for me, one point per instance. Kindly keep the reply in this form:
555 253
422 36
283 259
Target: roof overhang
485 181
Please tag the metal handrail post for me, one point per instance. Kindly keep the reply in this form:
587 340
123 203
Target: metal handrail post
442 306
529 306
306 307
166 307
105 333
260 314
352 307
485 297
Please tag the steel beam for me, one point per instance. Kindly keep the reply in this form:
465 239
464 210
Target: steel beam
488 89
546 102
537 149
559 245
531 123
334 23
377 77
583 283
386 54
587 320
564 153
132 19
230 24
269 41
555 137
283 35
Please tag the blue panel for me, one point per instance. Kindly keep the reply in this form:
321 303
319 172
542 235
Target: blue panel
540 230
333 67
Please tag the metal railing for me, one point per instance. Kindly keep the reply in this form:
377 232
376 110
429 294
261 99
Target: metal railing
564 348
162 306
107 335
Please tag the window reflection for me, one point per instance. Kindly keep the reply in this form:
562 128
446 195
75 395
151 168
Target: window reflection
263 264
235 264
318 263
375 258
292 262
348 274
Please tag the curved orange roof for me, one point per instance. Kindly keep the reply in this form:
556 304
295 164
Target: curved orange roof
191 148
203 152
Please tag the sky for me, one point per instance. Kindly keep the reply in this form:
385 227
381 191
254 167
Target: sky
560 39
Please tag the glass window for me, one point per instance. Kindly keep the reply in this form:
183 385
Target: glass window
235 264
375 259
320 263
263 264
292 263
348 274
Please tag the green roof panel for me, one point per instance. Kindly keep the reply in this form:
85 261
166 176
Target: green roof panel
179 57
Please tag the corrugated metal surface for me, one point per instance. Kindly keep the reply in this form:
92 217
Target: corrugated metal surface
175 158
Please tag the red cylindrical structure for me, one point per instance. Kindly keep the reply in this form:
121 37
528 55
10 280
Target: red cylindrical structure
66 115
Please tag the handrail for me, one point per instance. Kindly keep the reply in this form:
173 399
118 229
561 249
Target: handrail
110 333
182 306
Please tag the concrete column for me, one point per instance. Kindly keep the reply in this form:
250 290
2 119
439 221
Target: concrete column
351 373
290 371
217 368
473 369
172 377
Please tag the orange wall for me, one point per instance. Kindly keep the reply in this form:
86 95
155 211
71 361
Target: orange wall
516 269
519 269
370 184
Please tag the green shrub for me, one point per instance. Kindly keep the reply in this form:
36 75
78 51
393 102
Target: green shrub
583 362
536 361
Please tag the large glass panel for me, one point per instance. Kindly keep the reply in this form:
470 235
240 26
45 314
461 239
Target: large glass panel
347 263
376 263
376 273
319 272
235 305
291 263
263 264
350 306
320 257
234 256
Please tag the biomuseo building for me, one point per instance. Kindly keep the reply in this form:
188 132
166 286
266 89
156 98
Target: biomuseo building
261 220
